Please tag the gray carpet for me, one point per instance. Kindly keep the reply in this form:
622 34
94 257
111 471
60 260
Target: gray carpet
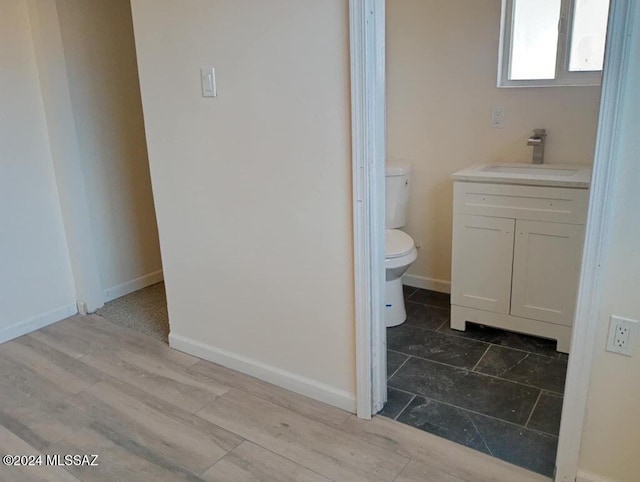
144 310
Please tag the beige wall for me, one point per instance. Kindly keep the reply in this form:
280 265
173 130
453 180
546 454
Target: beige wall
100 58
441 74
36 284
611 441
253 188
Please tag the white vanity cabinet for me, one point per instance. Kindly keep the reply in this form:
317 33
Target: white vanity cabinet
517 252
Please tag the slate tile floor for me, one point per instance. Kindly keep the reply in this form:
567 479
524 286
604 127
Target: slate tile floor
491 390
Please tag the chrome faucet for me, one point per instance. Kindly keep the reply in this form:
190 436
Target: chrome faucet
537 141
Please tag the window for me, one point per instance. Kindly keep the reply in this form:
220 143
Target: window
552 42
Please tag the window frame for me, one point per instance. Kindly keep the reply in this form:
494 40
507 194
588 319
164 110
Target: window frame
564 77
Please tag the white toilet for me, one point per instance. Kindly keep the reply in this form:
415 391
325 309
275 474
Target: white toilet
400 248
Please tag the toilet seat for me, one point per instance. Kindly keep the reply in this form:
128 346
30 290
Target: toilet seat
398 244
401 261
400 252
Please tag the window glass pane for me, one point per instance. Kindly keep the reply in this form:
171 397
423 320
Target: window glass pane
588 34
534 41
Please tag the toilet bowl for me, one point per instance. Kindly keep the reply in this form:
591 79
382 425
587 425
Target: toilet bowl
400 253
400 248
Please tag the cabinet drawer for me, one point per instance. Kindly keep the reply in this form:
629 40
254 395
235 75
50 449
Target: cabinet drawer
553 204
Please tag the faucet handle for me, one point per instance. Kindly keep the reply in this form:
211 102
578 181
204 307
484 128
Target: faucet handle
537 141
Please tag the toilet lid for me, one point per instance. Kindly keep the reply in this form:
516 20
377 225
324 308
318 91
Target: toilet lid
398 243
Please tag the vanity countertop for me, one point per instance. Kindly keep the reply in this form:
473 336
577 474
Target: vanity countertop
577 176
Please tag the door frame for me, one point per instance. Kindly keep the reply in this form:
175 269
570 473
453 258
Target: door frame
583 341
368 130
367 40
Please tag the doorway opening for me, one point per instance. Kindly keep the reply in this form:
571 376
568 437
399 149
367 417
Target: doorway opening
87 63
144 310
512 357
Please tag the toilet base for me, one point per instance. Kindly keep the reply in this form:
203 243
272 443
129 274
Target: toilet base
394 312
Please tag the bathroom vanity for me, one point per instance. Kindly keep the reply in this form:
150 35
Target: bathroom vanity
518 232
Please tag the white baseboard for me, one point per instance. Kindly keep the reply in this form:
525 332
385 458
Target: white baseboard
584 476
282 378
32 324
425 283
133 285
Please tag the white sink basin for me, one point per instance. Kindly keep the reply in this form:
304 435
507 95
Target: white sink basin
558 175
535 170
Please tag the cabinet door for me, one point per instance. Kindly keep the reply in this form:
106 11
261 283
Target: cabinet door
546 268
482 261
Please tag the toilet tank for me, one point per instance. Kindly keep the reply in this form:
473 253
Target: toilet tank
397 194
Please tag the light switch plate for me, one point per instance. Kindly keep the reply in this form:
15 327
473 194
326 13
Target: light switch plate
623 334
208 76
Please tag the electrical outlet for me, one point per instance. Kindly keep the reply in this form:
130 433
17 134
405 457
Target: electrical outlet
622 335
497 117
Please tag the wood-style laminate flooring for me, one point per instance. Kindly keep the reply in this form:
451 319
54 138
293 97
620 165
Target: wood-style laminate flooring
88 386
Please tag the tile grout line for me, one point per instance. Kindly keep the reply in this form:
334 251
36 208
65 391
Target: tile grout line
398 352
552 393
542 432
415 290
551 357
401 365
533 409
408 393
480 359
499 375
405 407
490 345
477 413
540 358
555 356
468 370
479 434
441 308
435 330
427 304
